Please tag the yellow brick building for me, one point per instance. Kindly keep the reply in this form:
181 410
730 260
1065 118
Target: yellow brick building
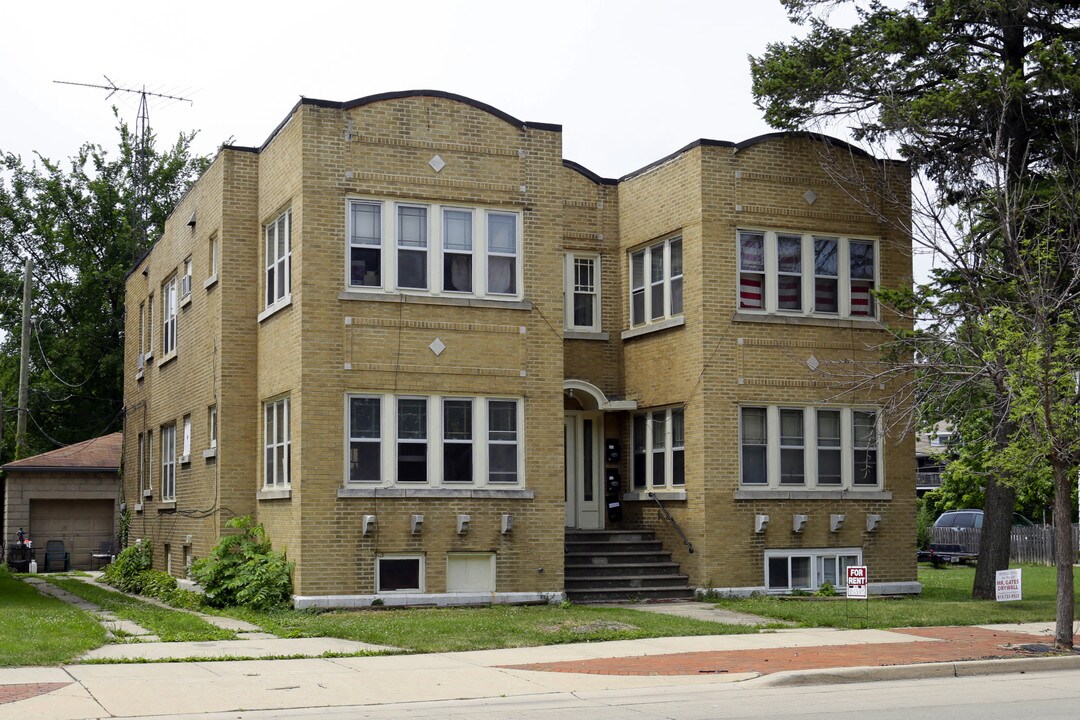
418 345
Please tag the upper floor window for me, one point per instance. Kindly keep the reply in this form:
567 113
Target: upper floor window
806 274
809 447
212 255
185 281
434 249
212 425
279 259
656 282
140 359
582 292
168 317
659 449
434 440
276 444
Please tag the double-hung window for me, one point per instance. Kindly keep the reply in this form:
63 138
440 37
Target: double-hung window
168 462
434 249
659 449
276 444
279 260
148 463
806 274
827 448
436 440
656 282
168 317
140 359
582 292
185 281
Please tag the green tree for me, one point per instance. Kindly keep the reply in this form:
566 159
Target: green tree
75 221
979 96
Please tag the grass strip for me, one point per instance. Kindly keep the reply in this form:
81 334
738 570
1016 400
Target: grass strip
945 600
170 625
498 626
39 630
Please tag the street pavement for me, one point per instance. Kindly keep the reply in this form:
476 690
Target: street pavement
142 685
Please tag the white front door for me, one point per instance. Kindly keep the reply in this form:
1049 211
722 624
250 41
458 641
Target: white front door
584 470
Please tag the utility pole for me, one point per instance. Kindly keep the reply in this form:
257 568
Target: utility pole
24 363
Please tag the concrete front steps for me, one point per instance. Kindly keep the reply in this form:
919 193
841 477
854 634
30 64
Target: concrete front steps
604 566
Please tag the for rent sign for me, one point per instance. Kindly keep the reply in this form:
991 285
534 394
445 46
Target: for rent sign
1008 585
856 581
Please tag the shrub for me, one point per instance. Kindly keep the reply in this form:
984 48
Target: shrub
243 569
924 520
125 573
158 584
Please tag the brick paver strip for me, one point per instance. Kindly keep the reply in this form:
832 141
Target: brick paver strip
23 691
957 644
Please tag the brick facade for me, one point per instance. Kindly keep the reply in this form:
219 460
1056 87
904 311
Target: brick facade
332 344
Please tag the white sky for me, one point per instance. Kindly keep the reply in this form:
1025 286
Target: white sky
630 81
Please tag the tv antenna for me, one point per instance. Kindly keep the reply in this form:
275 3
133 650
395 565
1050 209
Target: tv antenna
140 157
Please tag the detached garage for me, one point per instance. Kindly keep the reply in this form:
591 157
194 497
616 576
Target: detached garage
71 494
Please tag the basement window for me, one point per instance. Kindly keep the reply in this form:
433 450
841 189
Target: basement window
399 573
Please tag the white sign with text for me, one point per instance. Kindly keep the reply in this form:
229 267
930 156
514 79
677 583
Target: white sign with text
1008 586
856 581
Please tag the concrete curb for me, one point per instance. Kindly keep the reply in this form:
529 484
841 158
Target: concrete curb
921 671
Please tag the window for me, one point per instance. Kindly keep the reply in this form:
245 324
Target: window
582 292
502 441
787 570
140 359
148 467
434 440
457 250
659 448
772 266
185 456
211 425
364 439
212 253
806 447
151 323
168 463
168 317
277 444
142 462
399 573
435 249
412 440
185 281
457 440
656 282
412 247
279 260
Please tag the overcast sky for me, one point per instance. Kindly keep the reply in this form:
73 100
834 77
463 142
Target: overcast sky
630 81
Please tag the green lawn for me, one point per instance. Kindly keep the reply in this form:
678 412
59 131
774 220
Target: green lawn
452 629
169 625
40 630
945 600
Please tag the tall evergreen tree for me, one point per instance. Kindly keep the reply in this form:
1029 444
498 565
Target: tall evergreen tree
74 221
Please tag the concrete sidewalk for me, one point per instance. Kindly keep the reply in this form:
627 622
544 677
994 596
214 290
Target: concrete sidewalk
78 692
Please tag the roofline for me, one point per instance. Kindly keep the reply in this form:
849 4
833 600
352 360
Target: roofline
701 142
581 169
399 94
13 468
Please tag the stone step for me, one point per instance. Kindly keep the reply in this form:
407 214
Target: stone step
616 558
586 584
620 546
613 569
601 536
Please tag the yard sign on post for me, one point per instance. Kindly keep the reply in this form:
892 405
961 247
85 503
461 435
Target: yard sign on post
856 581
1008 585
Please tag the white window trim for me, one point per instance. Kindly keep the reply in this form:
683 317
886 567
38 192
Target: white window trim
388 442
771 274
810 448
169 309
388 247
168 463
272 438
212 425
422 574
663 246
148 488
279 301
817 557
570 290
651 427
186 282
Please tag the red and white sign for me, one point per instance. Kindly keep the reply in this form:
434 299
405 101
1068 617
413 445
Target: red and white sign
1008 585
856 581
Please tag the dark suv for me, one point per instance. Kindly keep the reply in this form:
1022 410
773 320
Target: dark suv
962 519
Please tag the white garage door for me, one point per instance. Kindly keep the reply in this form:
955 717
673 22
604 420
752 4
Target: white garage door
81 524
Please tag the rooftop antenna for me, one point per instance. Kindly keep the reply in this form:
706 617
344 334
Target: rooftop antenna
140 157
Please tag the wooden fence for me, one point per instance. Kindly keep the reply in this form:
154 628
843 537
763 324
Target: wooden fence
1027 544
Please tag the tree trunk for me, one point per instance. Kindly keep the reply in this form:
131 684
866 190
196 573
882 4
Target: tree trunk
1064 557
994 540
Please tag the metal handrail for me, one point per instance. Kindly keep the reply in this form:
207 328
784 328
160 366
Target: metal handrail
671 520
